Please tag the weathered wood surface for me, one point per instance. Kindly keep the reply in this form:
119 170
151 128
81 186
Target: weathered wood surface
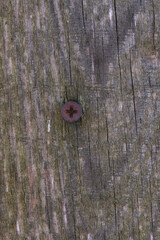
99 178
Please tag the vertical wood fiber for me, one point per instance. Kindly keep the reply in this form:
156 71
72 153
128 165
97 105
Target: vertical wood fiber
97 179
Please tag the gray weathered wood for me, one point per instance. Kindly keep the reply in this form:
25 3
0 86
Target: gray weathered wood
98 178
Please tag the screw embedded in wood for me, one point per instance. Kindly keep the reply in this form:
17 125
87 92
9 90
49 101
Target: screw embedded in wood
71 111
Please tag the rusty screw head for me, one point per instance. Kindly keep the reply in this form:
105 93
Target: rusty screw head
71 111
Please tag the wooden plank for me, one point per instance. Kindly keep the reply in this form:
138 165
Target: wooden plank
97 178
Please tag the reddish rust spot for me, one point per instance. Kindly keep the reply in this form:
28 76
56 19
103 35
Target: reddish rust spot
71 111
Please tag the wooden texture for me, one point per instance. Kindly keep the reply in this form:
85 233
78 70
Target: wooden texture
99 178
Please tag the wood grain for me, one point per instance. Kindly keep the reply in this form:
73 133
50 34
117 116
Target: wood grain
98 178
